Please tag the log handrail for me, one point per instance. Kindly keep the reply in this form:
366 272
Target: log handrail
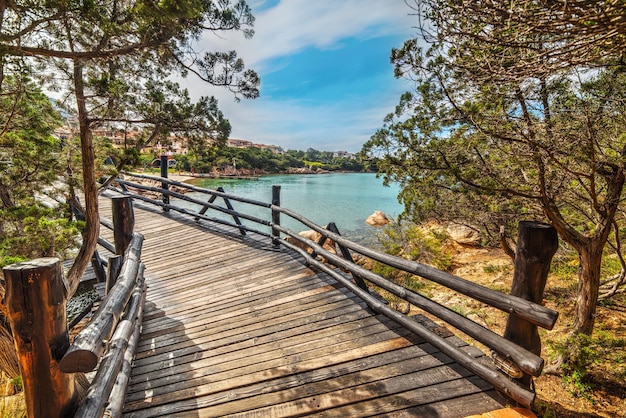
509 387
527 361
90 343
48 362
524 358
530 311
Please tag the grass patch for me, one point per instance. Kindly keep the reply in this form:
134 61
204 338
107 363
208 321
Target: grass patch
497 269
583 353
13 406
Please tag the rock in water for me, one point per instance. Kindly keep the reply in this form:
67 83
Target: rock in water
378 218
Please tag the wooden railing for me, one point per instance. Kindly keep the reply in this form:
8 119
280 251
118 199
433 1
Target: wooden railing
36 298
517 352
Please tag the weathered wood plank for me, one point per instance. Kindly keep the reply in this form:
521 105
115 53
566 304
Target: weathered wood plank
162 375
176 309
439 400
224 378
276 340
242 306
232 320
462 406
315 382
230 368
197 329
235 343
371 369
231 262
212 284
443 376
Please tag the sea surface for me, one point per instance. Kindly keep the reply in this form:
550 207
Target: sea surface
344 198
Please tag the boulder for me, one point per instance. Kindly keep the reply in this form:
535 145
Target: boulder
378 218
463 235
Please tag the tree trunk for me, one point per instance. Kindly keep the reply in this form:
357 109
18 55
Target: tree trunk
36 305
5 196
92 221
588 288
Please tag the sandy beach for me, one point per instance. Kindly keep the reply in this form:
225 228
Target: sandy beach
179 177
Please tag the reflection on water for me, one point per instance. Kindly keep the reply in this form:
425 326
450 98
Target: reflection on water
344 198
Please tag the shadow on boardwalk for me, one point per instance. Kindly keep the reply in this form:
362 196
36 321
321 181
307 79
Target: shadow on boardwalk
156 367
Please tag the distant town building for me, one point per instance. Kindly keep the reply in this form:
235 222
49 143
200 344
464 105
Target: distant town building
344 154
239 143
174 145
244 143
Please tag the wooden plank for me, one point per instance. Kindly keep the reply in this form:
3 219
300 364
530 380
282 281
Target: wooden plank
251 319
289 344
214 281
177 309
161 375
235 336
215 266
200 328
215 293
230 373
441 378
192 248
388 374
290 338
450 407
315 382
229 298
235 343
197 383
244 305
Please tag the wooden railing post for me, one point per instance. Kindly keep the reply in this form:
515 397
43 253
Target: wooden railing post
275 214
115 267
98 268
164 185
536 244
123 222
36 303
345 252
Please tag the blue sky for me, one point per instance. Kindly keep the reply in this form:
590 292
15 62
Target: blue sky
326 79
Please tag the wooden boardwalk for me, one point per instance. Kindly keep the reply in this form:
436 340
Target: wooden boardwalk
233 327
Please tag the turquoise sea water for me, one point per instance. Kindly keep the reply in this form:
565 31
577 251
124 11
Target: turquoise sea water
344 198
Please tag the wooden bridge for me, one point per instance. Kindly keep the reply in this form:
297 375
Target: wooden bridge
233 326
236 323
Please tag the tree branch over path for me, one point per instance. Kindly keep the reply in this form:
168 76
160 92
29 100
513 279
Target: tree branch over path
117 58
508 120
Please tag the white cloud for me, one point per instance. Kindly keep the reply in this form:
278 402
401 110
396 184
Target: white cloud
289 28
294 25
293 124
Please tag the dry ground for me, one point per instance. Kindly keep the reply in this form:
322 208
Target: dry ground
600 391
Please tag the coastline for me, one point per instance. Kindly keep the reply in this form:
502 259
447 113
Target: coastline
255 174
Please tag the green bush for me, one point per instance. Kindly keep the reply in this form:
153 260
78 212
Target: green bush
33 231
581 352
413 242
